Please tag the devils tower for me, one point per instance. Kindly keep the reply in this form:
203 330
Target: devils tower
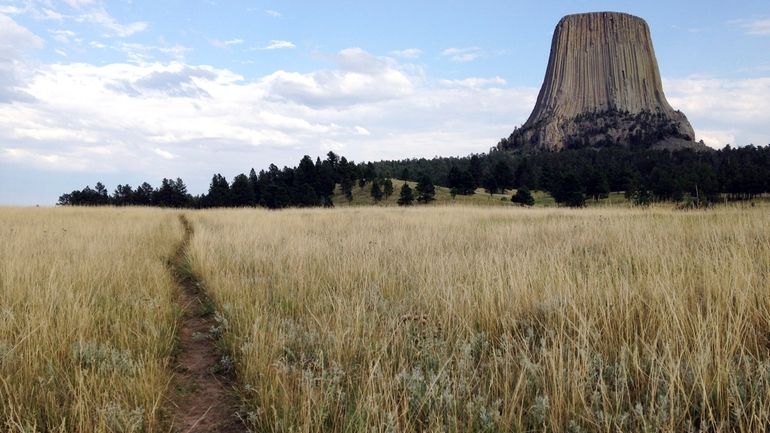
602 87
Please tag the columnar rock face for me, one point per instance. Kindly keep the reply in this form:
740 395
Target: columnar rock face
602 86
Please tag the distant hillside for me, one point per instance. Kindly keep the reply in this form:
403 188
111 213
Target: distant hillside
648 175
362 197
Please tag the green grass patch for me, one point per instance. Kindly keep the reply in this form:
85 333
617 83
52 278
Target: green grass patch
362 197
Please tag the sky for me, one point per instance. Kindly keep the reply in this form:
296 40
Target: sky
127 91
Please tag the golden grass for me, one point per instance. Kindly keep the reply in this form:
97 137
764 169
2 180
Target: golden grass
87 318
389 319
479 319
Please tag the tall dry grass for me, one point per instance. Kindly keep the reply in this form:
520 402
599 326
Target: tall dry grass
87 318
459 319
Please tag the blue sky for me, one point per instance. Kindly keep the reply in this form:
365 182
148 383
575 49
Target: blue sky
128 91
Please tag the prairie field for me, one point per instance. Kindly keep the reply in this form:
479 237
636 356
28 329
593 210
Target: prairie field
435 318
87 318
483 319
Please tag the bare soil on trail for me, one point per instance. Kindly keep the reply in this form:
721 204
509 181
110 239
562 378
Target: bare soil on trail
203 396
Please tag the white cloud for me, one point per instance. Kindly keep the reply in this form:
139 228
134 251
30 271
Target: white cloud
331 146
16 38
50 14
225 44
409 53
359 78
462 54
754 27
101 17
79 4
64 36
10 10
724 111
39 10
141 53
175 81
277 45
164 154
272 13
41 159
474 82
176 119
15 42
716 139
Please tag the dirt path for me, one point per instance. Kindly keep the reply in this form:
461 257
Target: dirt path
203 397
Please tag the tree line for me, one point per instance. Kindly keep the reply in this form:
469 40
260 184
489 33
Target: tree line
309 184
571 176
574 176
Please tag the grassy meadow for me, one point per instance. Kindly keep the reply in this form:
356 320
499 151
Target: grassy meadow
363 197
387 319
87 318
460 319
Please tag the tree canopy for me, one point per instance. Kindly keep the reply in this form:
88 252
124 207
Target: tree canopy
570 176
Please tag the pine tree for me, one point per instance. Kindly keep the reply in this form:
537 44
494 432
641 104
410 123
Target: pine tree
65 200
241 191
101 189
405 174
181 198
347 170
503 176
123 195
524 174
568 189
347 189
453 181
306 196
387 188
475 170
219 192
490 184
172 193
143 194
460 182
369 171
597 185
406 198
376 192
306 171
327 178
333 159
426 192
467 185
254 183
523 197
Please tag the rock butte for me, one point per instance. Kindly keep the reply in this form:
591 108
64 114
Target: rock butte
602 85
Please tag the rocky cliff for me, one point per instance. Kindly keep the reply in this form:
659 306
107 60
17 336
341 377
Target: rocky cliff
602 86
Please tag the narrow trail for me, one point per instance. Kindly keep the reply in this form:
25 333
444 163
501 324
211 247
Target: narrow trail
203 394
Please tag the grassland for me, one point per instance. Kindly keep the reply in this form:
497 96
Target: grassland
478 319
87 319
433 318
362 197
